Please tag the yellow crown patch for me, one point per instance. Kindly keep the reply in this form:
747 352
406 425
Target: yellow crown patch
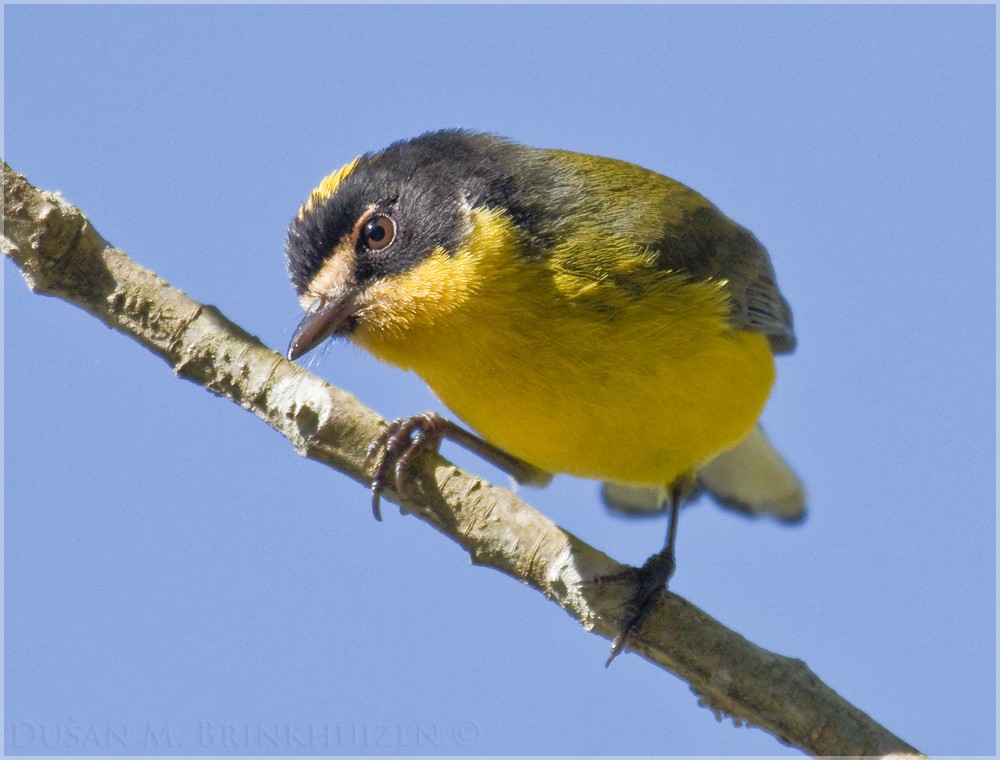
327 187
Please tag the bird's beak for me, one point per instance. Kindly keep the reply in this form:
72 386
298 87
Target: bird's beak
326 317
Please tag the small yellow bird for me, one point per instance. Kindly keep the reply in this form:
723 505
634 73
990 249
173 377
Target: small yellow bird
582 314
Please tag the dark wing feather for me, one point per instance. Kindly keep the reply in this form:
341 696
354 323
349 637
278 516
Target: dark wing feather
705 243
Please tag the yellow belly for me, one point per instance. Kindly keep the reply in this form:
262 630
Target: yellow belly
640 385
607 409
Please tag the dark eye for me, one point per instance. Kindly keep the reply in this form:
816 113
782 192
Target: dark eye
378 232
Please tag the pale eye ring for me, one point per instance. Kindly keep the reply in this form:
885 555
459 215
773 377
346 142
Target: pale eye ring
378 232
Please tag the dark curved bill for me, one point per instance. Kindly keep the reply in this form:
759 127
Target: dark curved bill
324 319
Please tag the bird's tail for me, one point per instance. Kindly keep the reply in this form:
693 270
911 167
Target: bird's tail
751 477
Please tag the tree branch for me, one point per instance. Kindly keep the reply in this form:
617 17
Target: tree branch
60 254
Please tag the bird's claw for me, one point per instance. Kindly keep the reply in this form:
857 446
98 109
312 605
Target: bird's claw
649 580
401 443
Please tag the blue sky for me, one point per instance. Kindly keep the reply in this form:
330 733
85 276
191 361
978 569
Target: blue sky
174 572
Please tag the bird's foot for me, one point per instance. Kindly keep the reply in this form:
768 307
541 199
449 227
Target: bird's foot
648 581
401 443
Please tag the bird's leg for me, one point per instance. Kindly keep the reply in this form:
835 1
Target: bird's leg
404 440
649 579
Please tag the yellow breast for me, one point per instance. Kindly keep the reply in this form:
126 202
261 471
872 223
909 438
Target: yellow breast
590 363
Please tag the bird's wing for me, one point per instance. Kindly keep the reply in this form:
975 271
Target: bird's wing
704 243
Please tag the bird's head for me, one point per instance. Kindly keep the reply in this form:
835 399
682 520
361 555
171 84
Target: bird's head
383 244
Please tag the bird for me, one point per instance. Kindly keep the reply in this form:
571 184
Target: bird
580 314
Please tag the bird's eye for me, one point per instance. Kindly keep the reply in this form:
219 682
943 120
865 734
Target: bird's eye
378 232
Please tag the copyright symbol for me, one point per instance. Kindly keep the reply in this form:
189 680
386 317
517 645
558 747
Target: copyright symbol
465 733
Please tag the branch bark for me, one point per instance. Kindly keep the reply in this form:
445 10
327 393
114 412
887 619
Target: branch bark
60 254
